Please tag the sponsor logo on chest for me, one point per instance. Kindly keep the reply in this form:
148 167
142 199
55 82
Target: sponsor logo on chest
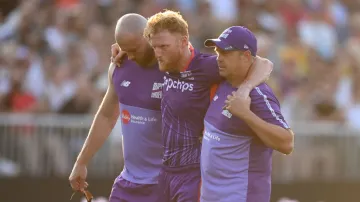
183 86
127 117
157 90
208 136
224 112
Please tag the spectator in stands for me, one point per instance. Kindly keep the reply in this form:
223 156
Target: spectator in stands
17 99
60 88
353 109
80 102
54 58
318 25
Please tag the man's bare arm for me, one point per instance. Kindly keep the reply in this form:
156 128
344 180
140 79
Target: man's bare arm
117 55
104 121
273 136
259 73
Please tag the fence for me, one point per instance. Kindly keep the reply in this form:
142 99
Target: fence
47 145
324 152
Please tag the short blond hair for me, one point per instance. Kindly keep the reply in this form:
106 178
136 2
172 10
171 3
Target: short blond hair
167 20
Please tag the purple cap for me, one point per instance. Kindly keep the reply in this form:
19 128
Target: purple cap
235 38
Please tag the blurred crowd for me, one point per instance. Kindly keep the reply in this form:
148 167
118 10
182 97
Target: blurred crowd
54 54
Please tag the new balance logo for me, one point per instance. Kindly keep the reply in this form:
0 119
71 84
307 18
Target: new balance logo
125 83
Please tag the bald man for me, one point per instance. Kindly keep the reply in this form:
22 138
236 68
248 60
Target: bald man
135 92
186 97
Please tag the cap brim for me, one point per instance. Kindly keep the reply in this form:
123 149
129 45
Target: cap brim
218 43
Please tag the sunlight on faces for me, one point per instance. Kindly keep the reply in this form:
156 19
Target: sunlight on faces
233 63
168 49
167 32
136 48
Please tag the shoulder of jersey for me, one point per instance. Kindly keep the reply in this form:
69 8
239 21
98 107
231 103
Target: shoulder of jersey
205 56
205 59
263 88
126 62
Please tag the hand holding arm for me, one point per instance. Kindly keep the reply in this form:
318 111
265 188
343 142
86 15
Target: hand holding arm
273 136
258 73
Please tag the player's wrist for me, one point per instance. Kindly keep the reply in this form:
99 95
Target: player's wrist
247 116
246 85
81 162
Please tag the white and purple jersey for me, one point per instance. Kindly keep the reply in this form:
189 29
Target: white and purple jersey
186 97
235 163
139 91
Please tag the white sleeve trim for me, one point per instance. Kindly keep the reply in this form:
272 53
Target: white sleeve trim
270 108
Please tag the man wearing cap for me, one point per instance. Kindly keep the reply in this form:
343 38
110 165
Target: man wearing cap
186 95
239 138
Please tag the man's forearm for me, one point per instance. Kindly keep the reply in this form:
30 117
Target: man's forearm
259 73
272 135
99 131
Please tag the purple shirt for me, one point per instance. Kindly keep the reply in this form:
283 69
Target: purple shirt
186 97
235 164
139 91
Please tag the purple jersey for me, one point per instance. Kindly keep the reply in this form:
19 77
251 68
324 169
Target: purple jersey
124 190
139 91
186 97
235 164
